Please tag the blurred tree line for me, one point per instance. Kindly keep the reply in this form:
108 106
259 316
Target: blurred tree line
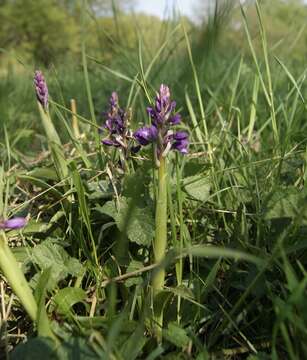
49 31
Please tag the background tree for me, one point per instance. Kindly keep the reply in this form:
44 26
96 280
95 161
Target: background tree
44 30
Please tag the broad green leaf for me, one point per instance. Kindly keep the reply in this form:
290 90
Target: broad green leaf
287 203
35 349
77 348
136 221
134 266
176 335
197 187
43 325
48 254
67 297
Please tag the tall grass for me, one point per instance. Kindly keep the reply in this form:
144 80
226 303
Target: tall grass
235 262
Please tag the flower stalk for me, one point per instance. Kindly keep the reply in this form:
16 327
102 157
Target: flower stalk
164 138
42 96
160 242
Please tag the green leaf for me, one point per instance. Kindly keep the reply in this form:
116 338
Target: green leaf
221 252
197 187
76 348
43 325
35 349
134 266
287 203
176 335
52 255
132 348
43 173
68 297
136 221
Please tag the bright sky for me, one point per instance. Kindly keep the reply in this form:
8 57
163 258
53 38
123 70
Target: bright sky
158 7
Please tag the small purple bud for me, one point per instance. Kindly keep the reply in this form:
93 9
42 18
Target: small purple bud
175 120
181 135
164 94
113 100
15 223
146 135
150 111
181 143
41 89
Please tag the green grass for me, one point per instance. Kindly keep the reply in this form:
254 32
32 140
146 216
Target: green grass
236 261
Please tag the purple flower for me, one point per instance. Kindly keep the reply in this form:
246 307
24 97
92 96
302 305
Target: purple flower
146 135
175 120
164 107
115 124
181 142
113 101
14 223
163 117
41 89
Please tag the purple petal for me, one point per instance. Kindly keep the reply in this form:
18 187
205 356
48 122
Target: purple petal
181 135
175 120
146 135
181 146
164 92
113 101
172 106
150 111
15 223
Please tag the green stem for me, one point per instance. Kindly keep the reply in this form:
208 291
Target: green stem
55 144
160 242
16 278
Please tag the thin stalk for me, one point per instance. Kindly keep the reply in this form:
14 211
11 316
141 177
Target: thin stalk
160 242
15 277
179 265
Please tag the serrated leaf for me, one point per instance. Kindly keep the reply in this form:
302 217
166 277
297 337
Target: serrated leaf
52 255
197 187
67 297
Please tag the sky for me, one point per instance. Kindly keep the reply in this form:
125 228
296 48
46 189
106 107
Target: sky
158 7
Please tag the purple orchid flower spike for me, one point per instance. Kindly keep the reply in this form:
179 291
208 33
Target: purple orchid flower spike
115 124
118 134
163 117
13 224
41 89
